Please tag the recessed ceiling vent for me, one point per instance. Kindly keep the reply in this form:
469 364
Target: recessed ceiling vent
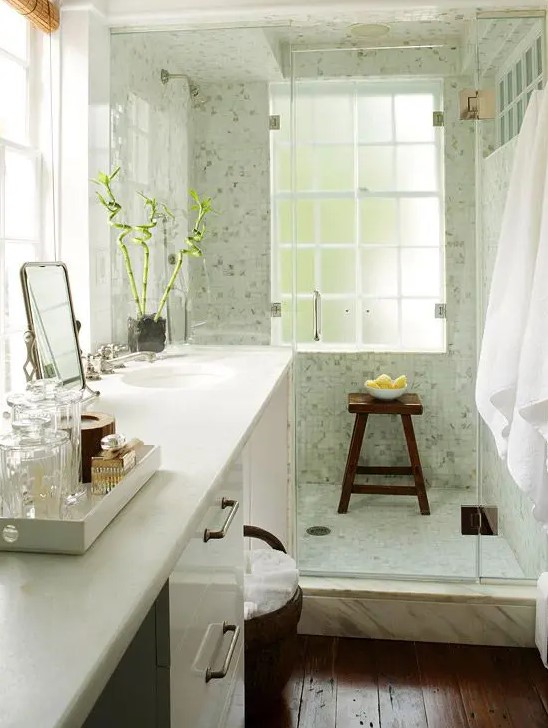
369 30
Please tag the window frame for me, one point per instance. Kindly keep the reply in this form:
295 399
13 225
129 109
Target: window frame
31 149
390 87
508 108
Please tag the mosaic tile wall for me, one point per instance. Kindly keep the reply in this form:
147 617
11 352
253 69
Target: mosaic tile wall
232 165
150 141
446 432
524 534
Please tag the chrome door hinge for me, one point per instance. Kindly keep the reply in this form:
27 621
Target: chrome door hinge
438 118
275 310
479 520
274 123
477 105
440 310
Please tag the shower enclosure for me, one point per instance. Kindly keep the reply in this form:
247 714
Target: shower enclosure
357 190
387 195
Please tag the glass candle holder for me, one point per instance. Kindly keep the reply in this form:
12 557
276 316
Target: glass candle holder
35 466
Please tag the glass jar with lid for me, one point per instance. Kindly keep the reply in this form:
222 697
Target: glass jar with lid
35 463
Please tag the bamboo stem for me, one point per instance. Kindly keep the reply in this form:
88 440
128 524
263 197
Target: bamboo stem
170 284
130 275
146 258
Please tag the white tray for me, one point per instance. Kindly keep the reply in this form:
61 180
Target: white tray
87 520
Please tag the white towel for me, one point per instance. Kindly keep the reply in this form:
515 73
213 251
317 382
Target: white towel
527 440
512 385
511 285
270 580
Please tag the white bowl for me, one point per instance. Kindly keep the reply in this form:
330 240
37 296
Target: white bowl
385 394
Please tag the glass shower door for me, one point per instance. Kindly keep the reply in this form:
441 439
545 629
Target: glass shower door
381 214
511 66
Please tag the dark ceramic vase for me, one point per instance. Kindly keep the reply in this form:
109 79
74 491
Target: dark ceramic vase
146 334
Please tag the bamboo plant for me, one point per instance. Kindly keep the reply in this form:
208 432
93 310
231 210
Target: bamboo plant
142 234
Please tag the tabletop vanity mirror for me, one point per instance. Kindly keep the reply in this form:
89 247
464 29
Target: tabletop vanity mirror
52 339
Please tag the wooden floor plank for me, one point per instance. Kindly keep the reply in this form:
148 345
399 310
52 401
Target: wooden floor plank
440 687
537 675
285 712
522 700
357 685
401 703
319 703
482 696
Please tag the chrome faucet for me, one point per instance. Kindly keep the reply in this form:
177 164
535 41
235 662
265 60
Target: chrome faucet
106 361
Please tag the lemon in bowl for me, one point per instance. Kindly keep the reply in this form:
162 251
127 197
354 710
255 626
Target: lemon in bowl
384 387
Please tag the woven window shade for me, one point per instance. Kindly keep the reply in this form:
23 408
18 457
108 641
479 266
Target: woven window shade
43 14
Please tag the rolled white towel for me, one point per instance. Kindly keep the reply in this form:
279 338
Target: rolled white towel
250 609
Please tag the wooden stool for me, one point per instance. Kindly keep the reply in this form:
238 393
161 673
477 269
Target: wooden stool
364 405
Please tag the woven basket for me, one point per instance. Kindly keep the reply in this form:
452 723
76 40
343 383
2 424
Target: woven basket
270 643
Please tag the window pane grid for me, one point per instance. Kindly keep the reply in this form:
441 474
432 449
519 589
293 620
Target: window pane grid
341 239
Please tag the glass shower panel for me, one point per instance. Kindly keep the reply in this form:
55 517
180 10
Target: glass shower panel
510 60
375 186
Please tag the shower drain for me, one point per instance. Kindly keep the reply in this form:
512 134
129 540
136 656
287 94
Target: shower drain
318 531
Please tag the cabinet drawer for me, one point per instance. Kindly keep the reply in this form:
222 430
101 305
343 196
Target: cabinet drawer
204 665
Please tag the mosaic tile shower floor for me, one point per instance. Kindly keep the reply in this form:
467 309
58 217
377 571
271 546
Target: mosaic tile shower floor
387 535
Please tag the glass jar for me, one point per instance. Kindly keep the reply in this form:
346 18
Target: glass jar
35 468
64 407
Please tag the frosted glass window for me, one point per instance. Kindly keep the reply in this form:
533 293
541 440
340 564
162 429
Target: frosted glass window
375 119
334 117
420 329
20 213
420 221
529 67
379 220
334 168
336 220
368 203
380 323
304 117
521 73
304 164
420 272
338 320
414 117
284 233
380 271
376 170
13 86
519 77
304 270
13 32
416 168
338 271
283 169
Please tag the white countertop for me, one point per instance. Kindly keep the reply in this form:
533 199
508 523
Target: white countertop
65 621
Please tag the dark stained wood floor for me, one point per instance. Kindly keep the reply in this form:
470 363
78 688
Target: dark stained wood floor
343 683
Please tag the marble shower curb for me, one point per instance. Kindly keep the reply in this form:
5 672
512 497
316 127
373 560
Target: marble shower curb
419 611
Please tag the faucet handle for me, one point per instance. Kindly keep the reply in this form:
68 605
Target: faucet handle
118 349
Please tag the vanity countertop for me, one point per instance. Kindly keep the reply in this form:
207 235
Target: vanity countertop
65 621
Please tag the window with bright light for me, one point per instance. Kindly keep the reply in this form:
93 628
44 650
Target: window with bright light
367 195
522 74
22 236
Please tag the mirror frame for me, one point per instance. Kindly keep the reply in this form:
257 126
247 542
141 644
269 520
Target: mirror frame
33 357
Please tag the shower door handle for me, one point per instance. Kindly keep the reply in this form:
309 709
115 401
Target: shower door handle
317 315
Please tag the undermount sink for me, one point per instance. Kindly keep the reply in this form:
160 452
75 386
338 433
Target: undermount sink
187 375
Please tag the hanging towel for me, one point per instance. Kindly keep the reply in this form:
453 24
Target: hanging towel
511 285
527 443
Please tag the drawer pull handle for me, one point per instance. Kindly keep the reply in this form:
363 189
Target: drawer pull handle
225 503
219 674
